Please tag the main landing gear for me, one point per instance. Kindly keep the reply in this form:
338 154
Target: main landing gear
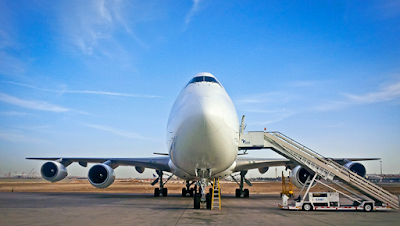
188 190
161 190
240 191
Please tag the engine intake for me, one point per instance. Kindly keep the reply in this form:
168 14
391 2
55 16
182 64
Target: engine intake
263 170
357 168
101 175
53 171
299 176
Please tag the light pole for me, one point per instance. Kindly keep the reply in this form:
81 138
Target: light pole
381 167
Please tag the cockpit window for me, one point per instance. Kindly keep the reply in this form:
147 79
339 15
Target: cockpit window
203 79
210 79
196 79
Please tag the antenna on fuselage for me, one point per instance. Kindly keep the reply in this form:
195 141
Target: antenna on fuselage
242 126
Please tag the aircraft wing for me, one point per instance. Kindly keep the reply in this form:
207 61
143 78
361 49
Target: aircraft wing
243 164
160 163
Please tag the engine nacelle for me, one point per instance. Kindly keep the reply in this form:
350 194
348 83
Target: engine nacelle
299 176
357 168
101 175
139 169
53 171
263 170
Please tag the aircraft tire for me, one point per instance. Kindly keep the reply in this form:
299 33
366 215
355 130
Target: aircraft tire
237 193
246 193
191 192
165 192
209 200
156 192
197 201
184 192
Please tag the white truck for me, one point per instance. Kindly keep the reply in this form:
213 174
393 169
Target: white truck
328 201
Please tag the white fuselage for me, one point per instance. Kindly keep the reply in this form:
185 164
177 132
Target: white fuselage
203 131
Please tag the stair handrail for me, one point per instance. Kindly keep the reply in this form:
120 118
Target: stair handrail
362 182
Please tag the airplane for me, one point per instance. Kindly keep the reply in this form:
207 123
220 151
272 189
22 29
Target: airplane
202 136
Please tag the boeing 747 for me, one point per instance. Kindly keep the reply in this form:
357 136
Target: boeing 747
203 140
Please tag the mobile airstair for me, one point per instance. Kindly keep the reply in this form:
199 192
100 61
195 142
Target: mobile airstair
216 194
326 168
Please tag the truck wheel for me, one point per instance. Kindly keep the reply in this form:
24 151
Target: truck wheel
307 207
368 207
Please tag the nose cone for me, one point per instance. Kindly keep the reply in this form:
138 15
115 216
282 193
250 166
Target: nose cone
205 116
200 140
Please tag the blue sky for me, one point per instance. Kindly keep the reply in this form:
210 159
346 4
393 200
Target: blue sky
98 78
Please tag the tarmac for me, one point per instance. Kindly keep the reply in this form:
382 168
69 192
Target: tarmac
144 209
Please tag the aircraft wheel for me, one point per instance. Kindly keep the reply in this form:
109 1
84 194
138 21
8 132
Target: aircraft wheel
237 193
307 207
191 191
209 200
246 193
165 192
184 192
368 207
197 201
156 192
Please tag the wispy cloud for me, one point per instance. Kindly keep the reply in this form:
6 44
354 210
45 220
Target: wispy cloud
9 64
271 97
111 93
270 105
385 94
93 26
88 23
13 113
19 137
117 132
273 116
85 91
192 11
31 104
305 83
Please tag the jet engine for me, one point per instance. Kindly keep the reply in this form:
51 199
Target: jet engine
53 171
299 176
101 175
263 170
356 167
139 169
